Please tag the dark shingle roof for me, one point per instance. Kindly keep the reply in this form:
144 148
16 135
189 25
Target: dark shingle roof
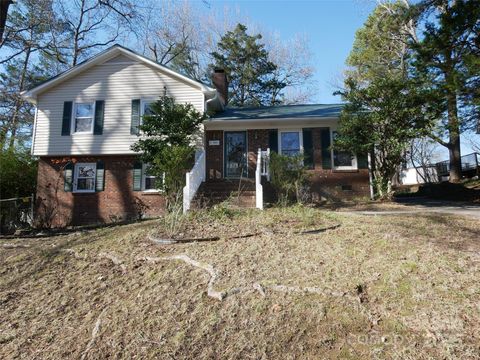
281 112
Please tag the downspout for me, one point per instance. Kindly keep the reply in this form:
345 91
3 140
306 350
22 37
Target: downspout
34 130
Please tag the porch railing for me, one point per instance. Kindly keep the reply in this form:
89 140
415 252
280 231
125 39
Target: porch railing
265 168
194 179
258 181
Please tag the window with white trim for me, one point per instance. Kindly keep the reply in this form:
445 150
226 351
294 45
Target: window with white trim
343 160
85 174
149 180
290 142
83 117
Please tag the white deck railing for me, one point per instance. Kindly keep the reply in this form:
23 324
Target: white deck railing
194 179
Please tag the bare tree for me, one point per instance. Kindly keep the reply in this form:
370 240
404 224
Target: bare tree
421 156
293 58
474 141
174 34
92 24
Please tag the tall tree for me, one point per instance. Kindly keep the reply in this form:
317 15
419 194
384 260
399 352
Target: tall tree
248 68
384 109
174 34
383 118
26 38
446 61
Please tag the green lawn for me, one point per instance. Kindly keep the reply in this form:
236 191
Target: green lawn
383 287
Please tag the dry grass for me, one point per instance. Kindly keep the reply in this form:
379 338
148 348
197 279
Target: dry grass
409 288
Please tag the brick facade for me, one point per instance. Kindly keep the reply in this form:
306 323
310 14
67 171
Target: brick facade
214 154
117 202
325 183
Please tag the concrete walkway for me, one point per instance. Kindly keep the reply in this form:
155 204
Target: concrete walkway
422 206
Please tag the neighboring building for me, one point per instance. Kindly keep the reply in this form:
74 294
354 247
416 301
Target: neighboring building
87 119
419 175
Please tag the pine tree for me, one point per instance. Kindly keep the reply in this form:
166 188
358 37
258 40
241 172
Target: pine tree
446 62
250 73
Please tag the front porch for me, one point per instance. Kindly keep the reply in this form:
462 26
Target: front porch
237 145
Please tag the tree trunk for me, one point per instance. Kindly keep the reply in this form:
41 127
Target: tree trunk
18 101
454 140
4 4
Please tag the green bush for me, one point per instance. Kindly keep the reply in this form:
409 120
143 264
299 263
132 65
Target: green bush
289 177
18 174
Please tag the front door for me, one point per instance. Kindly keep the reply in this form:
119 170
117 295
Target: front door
235 154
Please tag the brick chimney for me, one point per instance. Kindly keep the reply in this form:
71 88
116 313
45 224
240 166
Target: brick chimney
219 80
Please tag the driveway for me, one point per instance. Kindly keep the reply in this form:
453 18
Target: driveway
423 205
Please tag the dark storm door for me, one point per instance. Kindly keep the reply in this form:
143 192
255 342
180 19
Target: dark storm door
235 154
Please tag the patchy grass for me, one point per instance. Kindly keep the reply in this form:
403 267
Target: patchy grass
409 288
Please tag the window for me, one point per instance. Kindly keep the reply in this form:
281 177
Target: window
343 160
148 183
290 142
85 177
83 118
145 108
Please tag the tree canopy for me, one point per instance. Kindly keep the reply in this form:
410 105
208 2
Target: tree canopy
250 72
446 61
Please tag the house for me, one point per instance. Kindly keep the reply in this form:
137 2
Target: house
87 118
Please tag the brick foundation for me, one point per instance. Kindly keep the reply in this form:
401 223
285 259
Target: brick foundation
117 202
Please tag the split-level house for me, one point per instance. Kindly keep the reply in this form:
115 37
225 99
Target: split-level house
87 119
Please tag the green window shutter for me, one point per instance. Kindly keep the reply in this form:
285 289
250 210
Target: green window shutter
137 176
68 177
135 117
362 161
67 118
100 176
308 148
99 111
326 153
273 140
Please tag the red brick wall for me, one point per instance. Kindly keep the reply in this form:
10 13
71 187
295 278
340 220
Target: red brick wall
118 201
214 155
256 139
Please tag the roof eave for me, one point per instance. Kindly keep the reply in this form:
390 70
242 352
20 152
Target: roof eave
245 123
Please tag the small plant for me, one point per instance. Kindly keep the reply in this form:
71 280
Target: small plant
289 177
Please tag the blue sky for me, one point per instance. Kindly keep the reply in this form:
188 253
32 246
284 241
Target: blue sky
329 25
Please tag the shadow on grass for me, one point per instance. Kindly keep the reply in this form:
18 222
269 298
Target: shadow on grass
451 228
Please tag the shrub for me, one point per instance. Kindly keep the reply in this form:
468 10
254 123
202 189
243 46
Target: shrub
18 173
289 177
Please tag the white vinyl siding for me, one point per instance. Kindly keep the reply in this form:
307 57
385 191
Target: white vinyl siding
115 83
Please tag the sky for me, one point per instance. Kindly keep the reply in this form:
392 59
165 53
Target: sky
328 24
